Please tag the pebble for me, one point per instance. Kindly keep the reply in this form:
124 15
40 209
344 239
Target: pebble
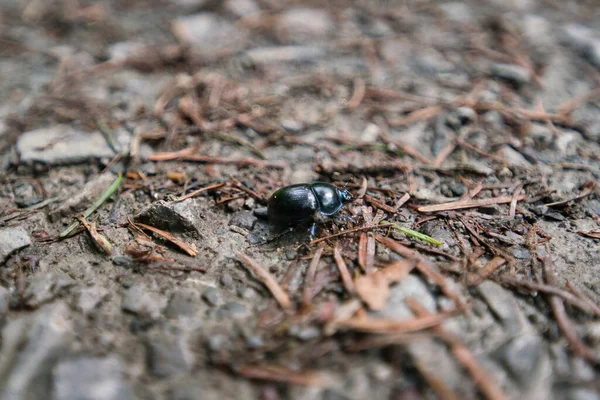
226 280
285 54
170 216
168 355
513 157
515 74
584 40
31 345
241 8
304 333
233 310
520 253
45 286
243 219
91 378
566 144
90 298
4 300
64 144
12 239
142 301
25 194
457 11
504 306
183 303
212 296
208 34
522 357
304 25
254 342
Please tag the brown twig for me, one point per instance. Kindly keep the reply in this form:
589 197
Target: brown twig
198 191
189 249
279 374
267 279
480 275
461 204
344 272
307 293
373 288
558 308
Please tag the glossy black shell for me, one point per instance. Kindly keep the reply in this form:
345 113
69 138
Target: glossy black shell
298 203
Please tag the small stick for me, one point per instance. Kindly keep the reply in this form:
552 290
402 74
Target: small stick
358 95
380 205
343 268
513 201
307 293
196 192
189 249
457 205
278 374
482 274
267 279
553 290
402 201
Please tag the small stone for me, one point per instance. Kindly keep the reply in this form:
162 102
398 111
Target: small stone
25 194
122 51
82 199
304 333
91 378
520 253
520 356
504 306
208 33
460 117
45 286
457 11
431 62
233 310
566 144
241 8
514 74
12 239
292 125
30 347
584 40
540 210
142 301
285 54
555 216
304 25
254 342
513 157
183 303
170 216
4 300
216 342
168 355
212 296
90 298
243 219
226 280
63 144
248 293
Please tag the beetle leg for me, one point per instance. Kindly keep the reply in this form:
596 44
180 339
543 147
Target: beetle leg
311 234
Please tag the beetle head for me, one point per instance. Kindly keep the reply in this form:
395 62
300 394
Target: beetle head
345 196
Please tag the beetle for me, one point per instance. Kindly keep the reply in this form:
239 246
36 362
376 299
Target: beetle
296 204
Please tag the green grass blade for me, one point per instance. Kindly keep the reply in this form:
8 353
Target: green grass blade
415 234
99 201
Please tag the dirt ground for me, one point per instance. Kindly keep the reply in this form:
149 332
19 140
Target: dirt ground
466 267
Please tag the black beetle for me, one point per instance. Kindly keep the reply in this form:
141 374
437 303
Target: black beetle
300 203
